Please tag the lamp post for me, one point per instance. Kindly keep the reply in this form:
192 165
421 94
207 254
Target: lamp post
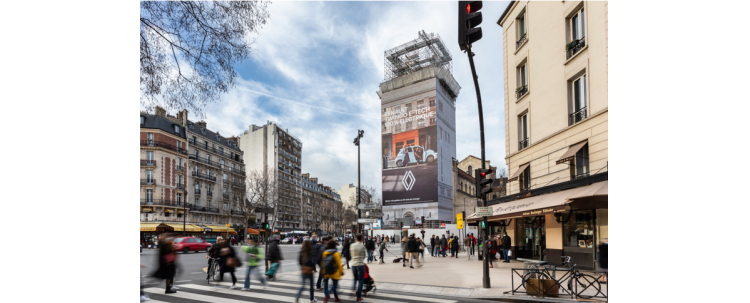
360 133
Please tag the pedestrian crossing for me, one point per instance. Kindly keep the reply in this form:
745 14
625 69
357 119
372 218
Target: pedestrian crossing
275 292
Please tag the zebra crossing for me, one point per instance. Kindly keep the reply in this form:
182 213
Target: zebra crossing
275 292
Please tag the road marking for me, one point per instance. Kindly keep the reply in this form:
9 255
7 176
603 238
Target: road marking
184 281
197 272
191 296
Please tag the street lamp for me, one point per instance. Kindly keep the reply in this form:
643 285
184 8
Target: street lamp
360 134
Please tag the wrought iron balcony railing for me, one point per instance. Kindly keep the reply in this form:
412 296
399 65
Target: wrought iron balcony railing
209 194
521 91
164 202
577 116
197 191
521 41
204 176
180 168
206 161
203 209
574 47
161 144
148 162
523 144
180 186
148 181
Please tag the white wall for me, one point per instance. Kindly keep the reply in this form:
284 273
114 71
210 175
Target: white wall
428 232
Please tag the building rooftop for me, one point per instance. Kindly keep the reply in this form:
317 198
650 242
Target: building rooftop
200 128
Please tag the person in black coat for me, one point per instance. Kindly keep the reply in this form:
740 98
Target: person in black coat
443 244
603 258
506 247
226 253
167 257
213 252
413 248
370 246
432 246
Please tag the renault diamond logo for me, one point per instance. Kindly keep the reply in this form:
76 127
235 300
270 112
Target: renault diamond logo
408 180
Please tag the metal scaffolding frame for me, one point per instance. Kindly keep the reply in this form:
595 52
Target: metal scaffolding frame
425 51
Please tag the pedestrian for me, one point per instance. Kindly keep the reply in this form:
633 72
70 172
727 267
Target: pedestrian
358 266
432 246
467 244
420 244
274 255
212 254
346 253
443 245
332 269
306 265
166 268
456 246
370 248
381 248
491 250
227 262
319 248
506 247
254 253
450 245
603 258
404 250
413 247
473 243
387 239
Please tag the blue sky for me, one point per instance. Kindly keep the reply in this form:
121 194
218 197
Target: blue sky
316 67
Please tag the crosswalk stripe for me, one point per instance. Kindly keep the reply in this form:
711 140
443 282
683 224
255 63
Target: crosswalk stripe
376 294
185 295
274 297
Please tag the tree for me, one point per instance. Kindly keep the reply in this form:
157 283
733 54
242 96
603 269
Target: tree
261 193
189 49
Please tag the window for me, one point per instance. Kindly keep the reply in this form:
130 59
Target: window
470 173
208 172
521 29
577 26
176 129
221 150
196 169
525 179
208 158
149 155
440 106
149 195
433 121
197 188
225 178
206 144
523 130
221 161
420 104
150 176
579 230
225 206
179 198
150 138
580 167
143 119
578 97
195 140
179 144
179 179
522 75
408 125
179 162
420 123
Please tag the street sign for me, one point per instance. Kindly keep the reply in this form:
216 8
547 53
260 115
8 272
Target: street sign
367 221
484 211
367 206
227 224
405 227
460 221
374 214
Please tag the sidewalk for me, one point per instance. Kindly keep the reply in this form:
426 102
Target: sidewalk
448 276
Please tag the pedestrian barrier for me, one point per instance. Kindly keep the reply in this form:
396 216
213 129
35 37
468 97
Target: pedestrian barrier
550 281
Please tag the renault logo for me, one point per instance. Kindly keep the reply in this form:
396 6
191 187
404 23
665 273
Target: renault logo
408 180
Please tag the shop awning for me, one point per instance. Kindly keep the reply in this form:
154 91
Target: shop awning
221 229
147 210
568 155
596 189
168 211
252 231
153 226
179 211
188 227
541 205
518 172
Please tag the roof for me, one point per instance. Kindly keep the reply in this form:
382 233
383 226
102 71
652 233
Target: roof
507 9
465 175
208 134
159 122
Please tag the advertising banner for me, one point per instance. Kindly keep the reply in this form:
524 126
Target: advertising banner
409 153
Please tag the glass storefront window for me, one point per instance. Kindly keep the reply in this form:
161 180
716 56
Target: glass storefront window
601 226
579 230
530 237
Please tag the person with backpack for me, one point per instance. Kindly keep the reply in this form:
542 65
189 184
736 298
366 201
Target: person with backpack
254 253
358 265
306 264
273 257
319 248
332 269
381 248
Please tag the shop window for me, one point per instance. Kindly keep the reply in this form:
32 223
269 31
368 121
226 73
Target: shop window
579 230
530 237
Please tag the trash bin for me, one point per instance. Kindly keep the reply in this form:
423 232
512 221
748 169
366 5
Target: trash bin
535 287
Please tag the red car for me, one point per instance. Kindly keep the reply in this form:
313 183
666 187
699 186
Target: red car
189 244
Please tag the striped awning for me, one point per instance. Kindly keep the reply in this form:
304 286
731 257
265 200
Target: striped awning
188 227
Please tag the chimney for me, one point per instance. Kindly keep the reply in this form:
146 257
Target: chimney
160 111
201 123
182 116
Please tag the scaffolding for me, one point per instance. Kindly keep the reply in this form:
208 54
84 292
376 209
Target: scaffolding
425 51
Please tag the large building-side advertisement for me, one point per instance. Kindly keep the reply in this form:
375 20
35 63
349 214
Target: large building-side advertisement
409 153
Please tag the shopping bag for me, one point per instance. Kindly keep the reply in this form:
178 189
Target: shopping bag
497 255
510 253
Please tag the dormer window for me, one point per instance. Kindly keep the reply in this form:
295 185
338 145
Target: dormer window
192 126
143 120
203 131
177 129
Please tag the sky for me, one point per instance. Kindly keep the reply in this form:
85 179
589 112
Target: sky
316 67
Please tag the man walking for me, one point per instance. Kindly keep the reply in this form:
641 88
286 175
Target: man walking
370 246
317 251
274 255
473 243
382 247
432 246
213 254
254 253
358 265
506 247
413 253
443 245
467 243
404 250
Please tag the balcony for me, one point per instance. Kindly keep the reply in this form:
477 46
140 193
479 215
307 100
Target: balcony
238 184
203 209
148 163
523 144
521 41
522 91
162 202
206 161
237 171
209 194
577 116
180 168
148 181
572 48
237 213
204 176
225 196
164 145
197 192
180 186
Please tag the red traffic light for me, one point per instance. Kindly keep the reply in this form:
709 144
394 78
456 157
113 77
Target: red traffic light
468 8
477 6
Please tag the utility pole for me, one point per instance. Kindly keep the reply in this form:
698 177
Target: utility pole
360 133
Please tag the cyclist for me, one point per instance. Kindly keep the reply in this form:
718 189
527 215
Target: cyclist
213 254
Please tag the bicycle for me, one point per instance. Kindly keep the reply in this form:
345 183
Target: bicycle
581 280
213 269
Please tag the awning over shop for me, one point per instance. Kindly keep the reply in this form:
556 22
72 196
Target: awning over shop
168 211
518 172
188 227
147 210
252 231
179 211
568 155
154 227
221 229
543 204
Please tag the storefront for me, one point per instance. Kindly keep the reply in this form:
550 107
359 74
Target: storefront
214 231
570 222
151 231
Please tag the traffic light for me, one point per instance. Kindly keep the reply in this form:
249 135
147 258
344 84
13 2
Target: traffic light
469 17
265 225
483 181
482 224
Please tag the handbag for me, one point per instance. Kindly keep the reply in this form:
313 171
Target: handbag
232 262
169 258
307 270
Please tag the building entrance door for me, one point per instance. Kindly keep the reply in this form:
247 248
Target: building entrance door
530 238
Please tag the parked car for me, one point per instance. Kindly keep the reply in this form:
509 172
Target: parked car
189 244
287 240
425 155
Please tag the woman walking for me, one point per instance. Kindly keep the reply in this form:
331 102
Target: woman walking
307 266
227 262
346 253
167 259
331 268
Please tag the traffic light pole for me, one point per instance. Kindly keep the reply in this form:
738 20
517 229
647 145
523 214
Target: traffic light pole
359 189
485 231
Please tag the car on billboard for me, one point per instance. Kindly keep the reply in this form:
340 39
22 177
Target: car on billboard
416 154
